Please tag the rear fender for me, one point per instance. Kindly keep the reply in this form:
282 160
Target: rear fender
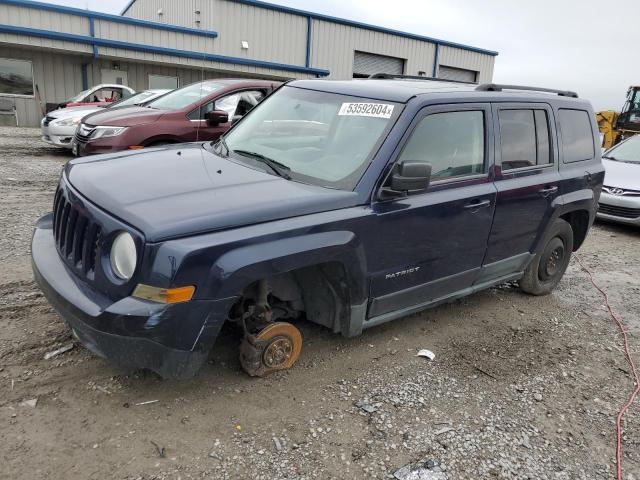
570 202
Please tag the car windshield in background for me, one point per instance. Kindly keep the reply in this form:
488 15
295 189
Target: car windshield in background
628 151
184 96
319 138
79 97
135 99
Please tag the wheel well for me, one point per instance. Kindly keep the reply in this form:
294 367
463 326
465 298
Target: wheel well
320 292
579 221
161 141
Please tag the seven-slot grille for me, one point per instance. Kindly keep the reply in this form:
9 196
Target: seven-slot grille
623 212
77 236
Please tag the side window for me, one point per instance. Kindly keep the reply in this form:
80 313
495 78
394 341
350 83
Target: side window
236 105
577 136
247 101
198 113
452 142
106 95
524 138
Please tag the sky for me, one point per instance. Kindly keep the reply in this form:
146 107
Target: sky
587 46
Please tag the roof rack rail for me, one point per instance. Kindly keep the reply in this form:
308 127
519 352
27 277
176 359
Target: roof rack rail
496 87
391 76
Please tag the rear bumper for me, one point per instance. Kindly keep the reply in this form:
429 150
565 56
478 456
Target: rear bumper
129 331
621 209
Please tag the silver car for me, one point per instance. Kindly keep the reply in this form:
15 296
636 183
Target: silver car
620 198
59 126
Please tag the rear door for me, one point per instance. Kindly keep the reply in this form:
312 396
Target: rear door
430 244
527 181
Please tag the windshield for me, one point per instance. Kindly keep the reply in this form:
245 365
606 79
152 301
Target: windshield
184 96
78 98
320 138
628 151
135 99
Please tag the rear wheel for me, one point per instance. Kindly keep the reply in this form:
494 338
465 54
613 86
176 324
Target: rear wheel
550 263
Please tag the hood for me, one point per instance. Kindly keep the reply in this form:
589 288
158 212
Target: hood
621 174
74 111
181 190
124 117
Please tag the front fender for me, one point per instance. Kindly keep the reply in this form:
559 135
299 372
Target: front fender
237 268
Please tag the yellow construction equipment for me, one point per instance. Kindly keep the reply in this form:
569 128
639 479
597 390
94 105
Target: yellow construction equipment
615 126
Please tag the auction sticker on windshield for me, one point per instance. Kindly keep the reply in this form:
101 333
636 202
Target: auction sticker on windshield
379 110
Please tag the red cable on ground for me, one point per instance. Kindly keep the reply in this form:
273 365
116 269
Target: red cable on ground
630 361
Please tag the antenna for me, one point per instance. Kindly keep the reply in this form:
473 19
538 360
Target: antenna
204 56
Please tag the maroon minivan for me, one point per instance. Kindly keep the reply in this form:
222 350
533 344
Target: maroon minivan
200 111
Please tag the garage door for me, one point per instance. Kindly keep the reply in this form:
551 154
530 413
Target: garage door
365 64
458 74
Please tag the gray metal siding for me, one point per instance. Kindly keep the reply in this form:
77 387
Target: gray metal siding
455 57
273 36
58 77
457 74
365 63
334 46
281 37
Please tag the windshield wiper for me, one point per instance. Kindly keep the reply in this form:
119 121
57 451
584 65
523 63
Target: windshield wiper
278 168
609 158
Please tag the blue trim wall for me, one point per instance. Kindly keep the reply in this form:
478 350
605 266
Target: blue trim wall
351 23
101 42
436 61
92 32
108 17
85 76
309 33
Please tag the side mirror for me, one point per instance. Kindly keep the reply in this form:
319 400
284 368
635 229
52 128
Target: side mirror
411 176
216 117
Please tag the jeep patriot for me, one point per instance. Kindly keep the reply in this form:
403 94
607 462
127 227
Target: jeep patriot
343 203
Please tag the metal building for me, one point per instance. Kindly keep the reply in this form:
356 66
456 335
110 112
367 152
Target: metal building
49 53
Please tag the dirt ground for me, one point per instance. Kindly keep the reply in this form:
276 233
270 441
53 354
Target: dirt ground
521 387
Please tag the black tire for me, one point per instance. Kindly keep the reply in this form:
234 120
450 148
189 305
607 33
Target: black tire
548 266
160 143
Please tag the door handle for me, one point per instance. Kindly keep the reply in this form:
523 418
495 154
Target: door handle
478 204
545 192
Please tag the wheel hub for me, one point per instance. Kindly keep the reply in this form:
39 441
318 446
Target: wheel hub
552 259
275 347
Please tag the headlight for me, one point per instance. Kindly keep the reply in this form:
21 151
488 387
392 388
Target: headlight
68 122
123 256
101 132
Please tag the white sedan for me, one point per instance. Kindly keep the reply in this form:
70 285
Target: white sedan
620 198
59 126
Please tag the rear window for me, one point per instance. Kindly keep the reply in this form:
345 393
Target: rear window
577 136
524 136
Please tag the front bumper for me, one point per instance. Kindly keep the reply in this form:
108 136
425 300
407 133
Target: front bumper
172 340
60 136
619 208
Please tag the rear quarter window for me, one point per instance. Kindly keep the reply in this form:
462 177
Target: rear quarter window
577 135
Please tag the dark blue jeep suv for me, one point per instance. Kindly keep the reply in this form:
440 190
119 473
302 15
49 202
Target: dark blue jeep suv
344 203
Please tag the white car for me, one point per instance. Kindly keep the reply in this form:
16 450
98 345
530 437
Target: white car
59 126
620 198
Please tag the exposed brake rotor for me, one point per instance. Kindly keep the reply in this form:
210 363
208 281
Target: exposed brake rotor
275 347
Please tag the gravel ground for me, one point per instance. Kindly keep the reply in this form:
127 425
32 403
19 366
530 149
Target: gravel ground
521 387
